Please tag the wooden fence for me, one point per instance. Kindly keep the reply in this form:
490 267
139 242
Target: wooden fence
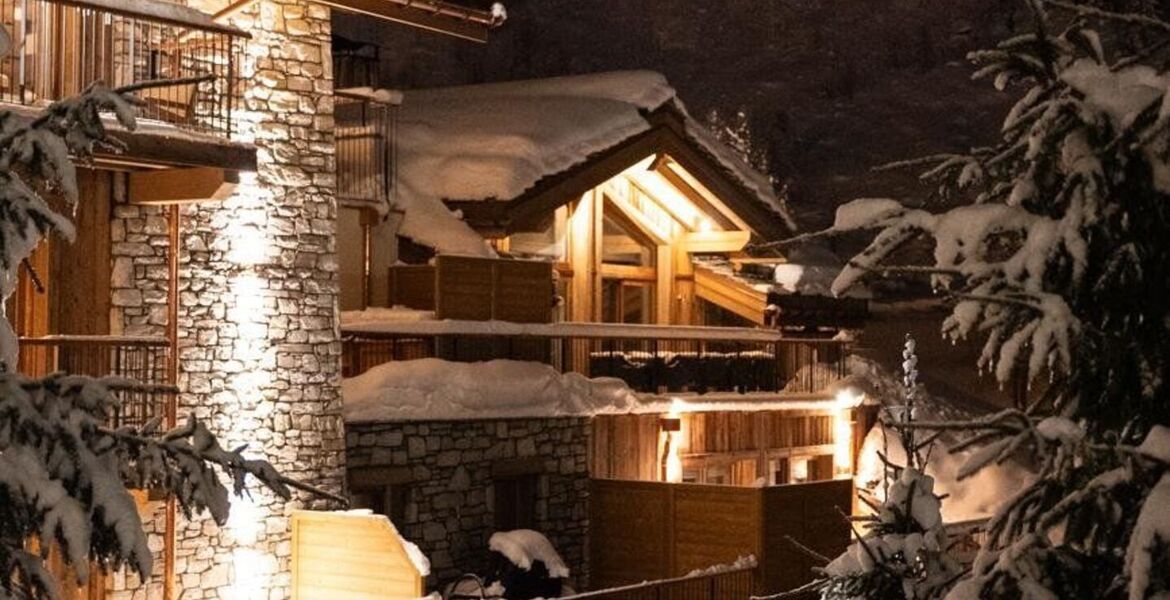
476 289
350 555
732 584
644 531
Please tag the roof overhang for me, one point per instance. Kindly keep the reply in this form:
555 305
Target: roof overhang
433 15
667 137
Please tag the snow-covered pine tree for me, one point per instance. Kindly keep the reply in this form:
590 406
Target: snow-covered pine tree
1060 257
903 551
63 473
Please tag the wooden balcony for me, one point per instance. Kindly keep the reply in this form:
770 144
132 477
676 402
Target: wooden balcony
145 360
649 358
61 46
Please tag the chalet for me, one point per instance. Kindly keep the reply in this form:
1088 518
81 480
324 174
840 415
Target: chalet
554 321
205 255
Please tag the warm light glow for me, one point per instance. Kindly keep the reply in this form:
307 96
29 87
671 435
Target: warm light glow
843 444
800 469
674 470
848 398
704 225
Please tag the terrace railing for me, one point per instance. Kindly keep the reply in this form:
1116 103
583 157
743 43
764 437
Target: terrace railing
62 46
364 142
650 359
144 360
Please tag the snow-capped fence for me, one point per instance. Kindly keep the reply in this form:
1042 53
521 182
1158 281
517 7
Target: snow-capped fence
732 583
649 358
61 47
141 359
643 530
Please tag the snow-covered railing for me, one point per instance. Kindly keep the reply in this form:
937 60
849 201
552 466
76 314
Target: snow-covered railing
732 583
649 358
61 46
141 359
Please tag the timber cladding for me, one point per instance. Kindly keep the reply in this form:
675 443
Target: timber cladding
629 446
651 530
353 556
480 289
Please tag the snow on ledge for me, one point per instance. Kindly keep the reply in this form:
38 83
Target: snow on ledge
435 389
564 329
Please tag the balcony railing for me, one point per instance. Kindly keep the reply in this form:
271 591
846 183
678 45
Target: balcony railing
364 141
650 359
144 360
61 46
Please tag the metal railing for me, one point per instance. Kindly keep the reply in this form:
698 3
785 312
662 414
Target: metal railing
62 46
364 142
650 359
144 360
731 584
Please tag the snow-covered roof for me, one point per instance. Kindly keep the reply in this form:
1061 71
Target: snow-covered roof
495 141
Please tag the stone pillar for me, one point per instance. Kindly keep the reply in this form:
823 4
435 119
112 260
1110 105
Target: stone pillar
258 324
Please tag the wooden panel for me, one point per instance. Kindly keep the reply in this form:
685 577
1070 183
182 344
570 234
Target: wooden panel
464 288
412 286
809 513
176 186
79 296
629 524
480 289
627 447
713 525
715 241
353 556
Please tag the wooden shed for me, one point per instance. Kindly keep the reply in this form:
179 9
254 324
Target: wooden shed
354 555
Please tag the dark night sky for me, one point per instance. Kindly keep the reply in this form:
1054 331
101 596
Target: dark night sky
831 87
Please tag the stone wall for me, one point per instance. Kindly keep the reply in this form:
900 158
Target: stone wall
139 273
448 469
259 356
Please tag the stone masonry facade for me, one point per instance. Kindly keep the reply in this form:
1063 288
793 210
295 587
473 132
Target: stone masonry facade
448 470
259 349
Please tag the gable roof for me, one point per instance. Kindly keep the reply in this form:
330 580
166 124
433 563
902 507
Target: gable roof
503 150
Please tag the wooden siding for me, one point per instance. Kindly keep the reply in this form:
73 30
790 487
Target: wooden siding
352 556
643 531
811 514
629 446
412 286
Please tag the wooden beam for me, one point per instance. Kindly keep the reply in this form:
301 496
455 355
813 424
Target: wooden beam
715 241
556 190
419 16
181 186
629 272
155 151
695 196
731 295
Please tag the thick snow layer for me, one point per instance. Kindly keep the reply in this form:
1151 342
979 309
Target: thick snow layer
436 389
380 314
494 141
523 547
431 388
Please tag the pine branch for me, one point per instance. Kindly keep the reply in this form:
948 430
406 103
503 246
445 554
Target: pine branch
1108 15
